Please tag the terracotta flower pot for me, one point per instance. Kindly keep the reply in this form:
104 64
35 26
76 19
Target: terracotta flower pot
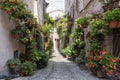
111 73
21 73
12 65
114 24
16 35
100 74
94 71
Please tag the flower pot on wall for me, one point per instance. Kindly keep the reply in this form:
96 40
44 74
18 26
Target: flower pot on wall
16 36
111 73
113 24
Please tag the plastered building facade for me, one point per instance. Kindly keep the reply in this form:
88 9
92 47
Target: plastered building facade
7 43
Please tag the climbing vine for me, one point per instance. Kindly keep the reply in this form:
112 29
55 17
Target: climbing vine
61 26
27 30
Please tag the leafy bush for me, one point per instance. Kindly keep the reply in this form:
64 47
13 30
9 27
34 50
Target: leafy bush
61 26
76 33
15 9
82 21
95 27
81 59
78 43
102 60
94 45
13 61
112 15
69 52
28 67
43 61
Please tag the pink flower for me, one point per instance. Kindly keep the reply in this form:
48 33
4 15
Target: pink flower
114 60
91 65
114 67
100 57
103 52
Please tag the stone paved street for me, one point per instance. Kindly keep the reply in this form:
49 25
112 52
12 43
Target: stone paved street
60 68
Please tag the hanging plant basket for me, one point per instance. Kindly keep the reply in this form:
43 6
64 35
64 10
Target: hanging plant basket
114 24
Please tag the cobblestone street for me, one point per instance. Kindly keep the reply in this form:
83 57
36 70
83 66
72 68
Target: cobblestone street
60 69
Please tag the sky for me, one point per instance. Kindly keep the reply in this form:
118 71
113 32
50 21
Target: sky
55 4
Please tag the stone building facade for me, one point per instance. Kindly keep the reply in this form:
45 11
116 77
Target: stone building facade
7 43
81 8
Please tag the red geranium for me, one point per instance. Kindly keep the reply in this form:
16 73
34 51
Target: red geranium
114 60
12 9
8 12
100 57
104 52
91 65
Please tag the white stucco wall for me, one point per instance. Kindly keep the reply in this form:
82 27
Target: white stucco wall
37 9
41 11
7 44
30 4
56 14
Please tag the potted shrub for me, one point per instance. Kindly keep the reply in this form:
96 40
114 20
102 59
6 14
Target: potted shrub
14 8
81 59
84 21
112 17
104 62
96 27
109 64
94 63
41 63
16 33
69 52
12 65
27 68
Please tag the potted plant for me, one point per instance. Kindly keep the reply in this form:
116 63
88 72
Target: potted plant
16 33
12 64
96 27
112 17
104 62
84 21
15 8
94 63
109 64
27 68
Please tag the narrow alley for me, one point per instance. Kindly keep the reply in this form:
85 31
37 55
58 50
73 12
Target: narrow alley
59 39
60 68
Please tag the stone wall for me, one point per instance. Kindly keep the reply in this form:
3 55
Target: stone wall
81 8
95 5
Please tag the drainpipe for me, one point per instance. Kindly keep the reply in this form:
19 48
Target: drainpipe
35 9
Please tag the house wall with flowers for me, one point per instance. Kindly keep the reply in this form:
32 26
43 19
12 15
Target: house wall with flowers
98 36
37 7
87 8
8 44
